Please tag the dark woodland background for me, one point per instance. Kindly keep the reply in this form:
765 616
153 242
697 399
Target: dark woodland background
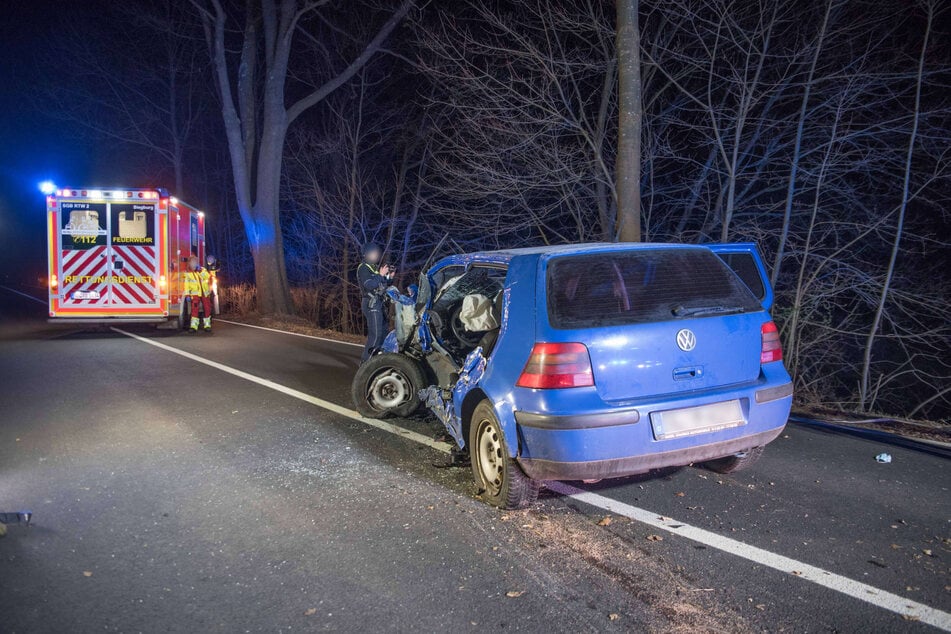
820 130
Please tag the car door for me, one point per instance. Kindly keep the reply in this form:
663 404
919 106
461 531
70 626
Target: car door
744 259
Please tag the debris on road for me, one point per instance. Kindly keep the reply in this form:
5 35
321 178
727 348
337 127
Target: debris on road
884 458
655 538
613 616
605 521
512 594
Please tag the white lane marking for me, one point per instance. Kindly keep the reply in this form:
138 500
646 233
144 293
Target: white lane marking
313 400
35 299
288 332
855 589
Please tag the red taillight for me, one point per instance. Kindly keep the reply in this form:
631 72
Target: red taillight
772 348
555 365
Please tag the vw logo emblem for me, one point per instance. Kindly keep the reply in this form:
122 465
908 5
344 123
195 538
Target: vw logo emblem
686 340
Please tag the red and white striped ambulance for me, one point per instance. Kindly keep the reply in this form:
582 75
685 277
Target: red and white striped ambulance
115 255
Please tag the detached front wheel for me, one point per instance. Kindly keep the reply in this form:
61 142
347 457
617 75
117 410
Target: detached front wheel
502 481
387 384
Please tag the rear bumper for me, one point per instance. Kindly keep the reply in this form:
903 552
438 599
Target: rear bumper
575 442
108 320
542 469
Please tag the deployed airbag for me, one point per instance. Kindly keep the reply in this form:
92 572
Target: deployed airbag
476 314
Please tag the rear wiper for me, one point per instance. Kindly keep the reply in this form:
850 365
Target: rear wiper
681 311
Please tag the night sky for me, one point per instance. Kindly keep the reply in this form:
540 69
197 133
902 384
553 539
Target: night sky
33 147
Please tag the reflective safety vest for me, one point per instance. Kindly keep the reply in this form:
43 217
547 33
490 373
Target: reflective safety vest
197 283
371 282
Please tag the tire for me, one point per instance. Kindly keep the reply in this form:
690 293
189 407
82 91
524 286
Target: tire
737 462
388 385
500 479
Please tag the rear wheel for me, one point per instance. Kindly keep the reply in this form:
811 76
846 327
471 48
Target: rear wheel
502 481
736 462
388 384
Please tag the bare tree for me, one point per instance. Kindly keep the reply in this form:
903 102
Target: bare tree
526 149
761 121
902 210
114 88
797 145
256 118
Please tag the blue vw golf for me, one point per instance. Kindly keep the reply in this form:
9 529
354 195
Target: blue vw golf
588 361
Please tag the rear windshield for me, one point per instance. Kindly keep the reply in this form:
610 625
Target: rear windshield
627 287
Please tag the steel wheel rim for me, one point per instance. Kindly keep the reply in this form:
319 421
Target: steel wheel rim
388 389
491 457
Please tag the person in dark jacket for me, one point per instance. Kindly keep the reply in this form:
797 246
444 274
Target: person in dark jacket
374 280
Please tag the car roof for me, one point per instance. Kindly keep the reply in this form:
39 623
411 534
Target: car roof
504 256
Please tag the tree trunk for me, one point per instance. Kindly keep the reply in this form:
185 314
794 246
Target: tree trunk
630 112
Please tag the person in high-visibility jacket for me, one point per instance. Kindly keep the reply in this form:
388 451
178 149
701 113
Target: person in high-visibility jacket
198 288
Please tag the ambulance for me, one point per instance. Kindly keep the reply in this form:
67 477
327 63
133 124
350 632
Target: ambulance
116 255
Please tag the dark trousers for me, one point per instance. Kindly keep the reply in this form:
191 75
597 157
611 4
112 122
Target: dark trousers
376 326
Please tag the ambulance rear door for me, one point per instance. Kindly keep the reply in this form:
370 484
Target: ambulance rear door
135 256
81 244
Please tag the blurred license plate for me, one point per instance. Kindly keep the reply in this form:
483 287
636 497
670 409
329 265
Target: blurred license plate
675 423
86 295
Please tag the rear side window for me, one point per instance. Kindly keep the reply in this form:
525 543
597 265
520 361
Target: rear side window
744 266
628 287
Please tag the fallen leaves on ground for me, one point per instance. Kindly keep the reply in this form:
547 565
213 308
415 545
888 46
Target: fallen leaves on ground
655 538
613 616
605 521
310 611
512 594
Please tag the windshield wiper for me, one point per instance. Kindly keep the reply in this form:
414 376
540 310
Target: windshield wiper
681 311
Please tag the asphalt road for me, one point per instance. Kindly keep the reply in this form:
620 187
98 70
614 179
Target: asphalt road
170 495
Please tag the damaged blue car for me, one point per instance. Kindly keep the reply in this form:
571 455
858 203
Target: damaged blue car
588 361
